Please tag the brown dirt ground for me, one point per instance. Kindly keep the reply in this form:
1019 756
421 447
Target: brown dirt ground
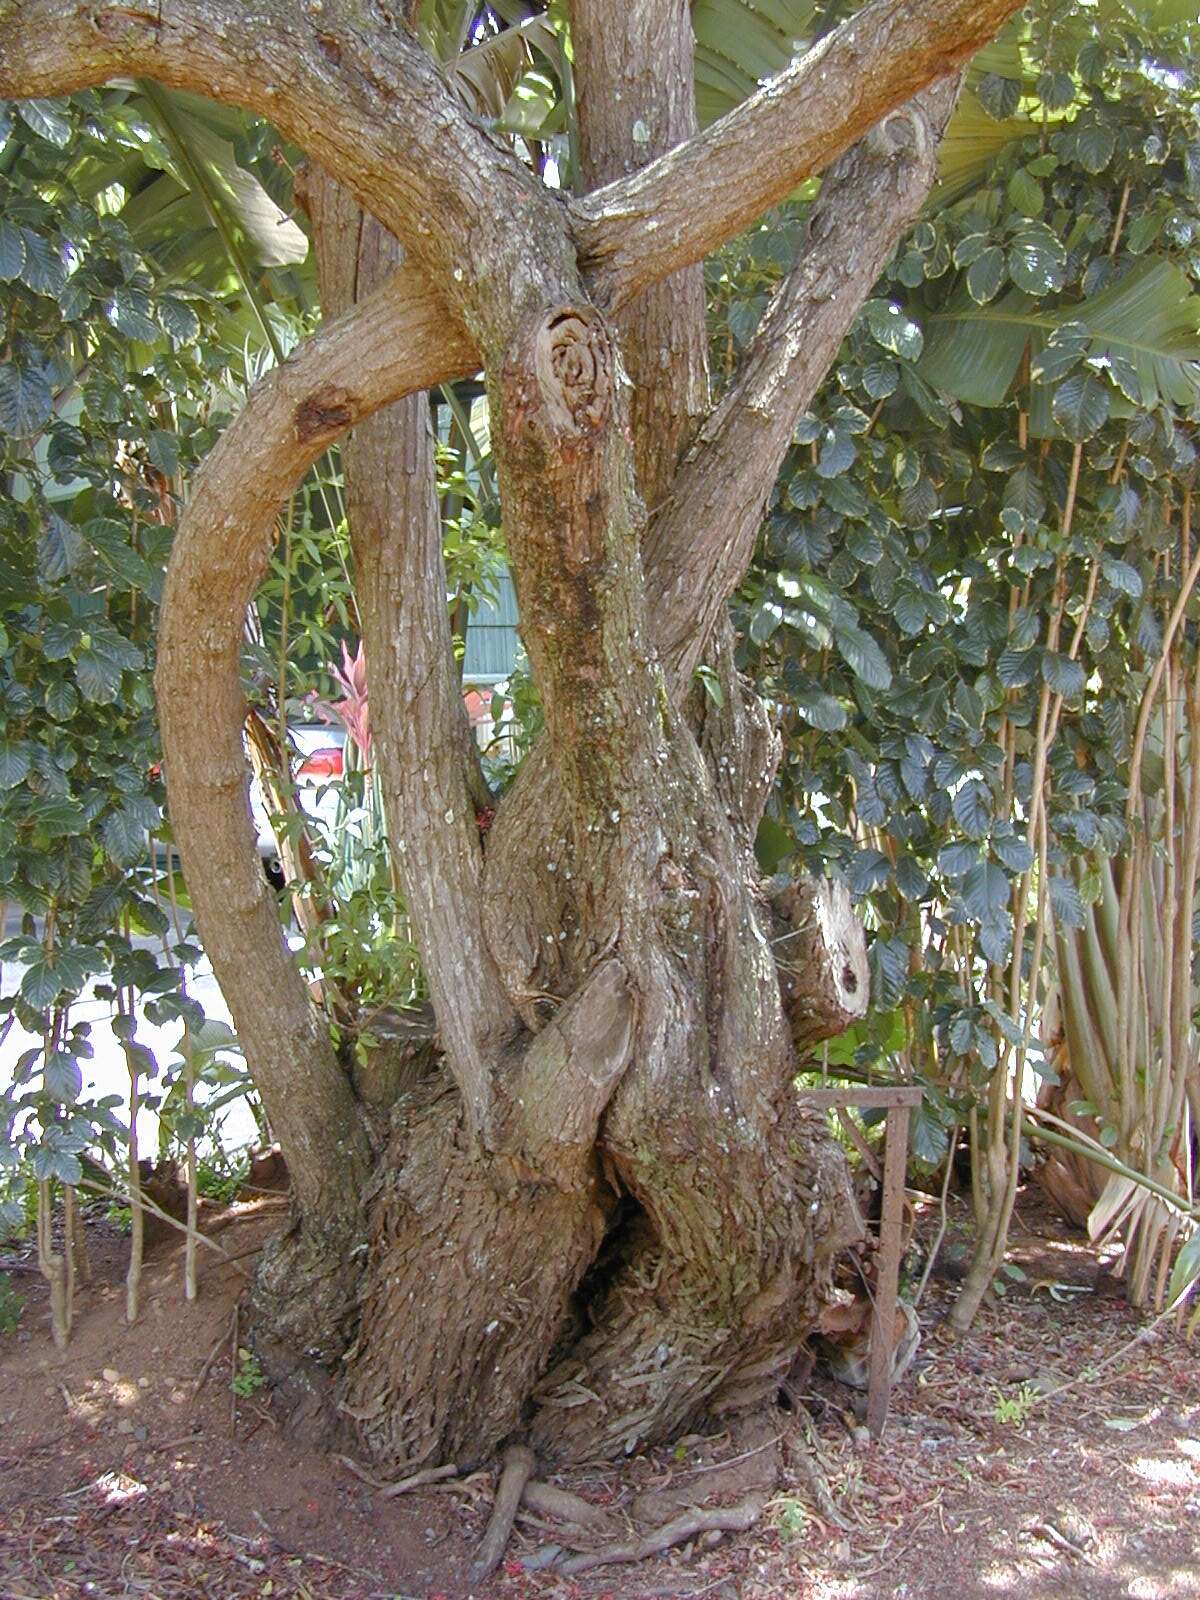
119 1478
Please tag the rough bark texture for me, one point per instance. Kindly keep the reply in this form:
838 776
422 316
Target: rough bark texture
605 1215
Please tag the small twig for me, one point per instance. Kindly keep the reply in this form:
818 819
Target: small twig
233 1366
519 1464
724 1519
215 1352
418 1479
388 1489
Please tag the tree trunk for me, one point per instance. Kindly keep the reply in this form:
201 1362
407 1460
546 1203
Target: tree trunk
604 1214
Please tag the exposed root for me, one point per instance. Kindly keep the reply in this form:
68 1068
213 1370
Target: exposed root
388 1490
519 1464
808 1462
547 1500
752 1469
720 1519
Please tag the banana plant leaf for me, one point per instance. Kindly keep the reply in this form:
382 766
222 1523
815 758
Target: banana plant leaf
1146 327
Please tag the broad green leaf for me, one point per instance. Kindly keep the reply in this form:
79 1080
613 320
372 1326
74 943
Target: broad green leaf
1025 193
1037 261
972 807
1149 319
26 400
864 657
62 1077
16 760
46 119
985 890
987 275
12 251
1081 406
998 96
130 313
1065 677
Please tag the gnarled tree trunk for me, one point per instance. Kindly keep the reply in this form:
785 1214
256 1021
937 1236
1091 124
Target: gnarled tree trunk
606 1215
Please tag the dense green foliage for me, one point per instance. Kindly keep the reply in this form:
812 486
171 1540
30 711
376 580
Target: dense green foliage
979 537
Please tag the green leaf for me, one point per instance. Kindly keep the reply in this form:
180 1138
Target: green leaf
1065 677
838 453
130 313
1122 576
864 657
893 329
1025 194
12 251
43 270
1064 898
99 678
985 890
60 547
1013 852
124 834
178 319
1037 261
46 119
998 96
1149 320
62 701
62 1078
1095 145
986 275
26 401
773 844
972 807
1186 1272
16 759
1081 407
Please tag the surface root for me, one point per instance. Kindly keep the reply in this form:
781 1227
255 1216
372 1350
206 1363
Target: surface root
519 1464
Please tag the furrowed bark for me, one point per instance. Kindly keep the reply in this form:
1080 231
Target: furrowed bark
460 201
425 752
700 544
636 100
221 554
682 206
356 92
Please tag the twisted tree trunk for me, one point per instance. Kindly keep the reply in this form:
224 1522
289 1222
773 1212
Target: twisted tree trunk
605 1214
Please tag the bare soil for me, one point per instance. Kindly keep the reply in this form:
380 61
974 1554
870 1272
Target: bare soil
123 1475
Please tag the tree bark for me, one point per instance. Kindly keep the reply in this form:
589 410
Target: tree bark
609 1216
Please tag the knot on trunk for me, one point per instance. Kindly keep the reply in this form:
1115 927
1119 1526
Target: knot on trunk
573 362
821 953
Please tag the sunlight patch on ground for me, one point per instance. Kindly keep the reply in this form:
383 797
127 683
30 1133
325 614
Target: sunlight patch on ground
1162 1470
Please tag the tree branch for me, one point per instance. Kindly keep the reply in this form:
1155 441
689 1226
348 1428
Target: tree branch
363 98
221 553
701 542
691 200
424 748
635 100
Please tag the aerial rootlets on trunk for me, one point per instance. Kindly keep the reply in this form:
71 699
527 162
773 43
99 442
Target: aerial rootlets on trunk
606 1215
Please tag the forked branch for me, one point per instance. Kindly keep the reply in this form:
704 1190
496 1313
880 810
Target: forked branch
684 205
702 539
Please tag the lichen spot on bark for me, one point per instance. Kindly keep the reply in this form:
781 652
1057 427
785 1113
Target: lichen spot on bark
328 411
573 361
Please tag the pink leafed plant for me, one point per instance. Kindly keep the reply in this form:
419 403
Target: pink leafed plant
352 709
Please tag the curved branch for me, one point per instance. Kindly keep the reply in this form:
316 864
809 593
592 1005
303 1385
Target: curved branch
362 97
397 341
691 200
701 542
423 743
